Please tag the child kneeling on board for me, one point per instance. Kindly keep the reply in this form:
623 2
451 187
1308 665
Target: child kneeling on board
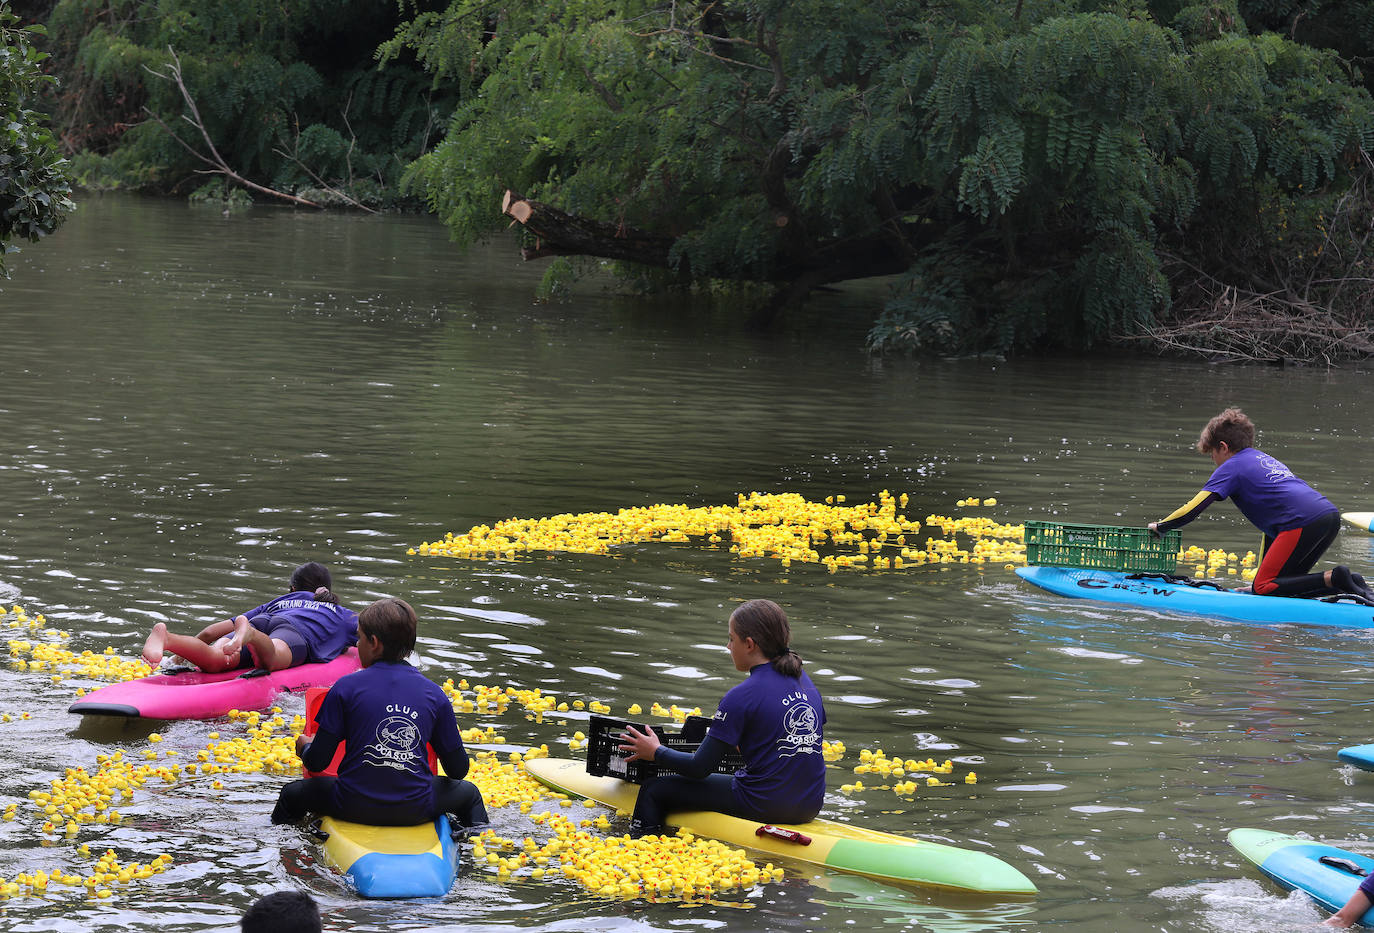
385 714
775 718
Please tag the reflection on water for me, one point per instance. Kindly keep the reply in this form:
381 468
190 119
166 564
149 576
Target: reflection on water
939 913
193 404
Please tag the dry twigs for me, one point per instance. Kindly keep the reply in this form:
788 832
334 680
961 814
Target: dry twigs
1313 306
1234 325
1254 328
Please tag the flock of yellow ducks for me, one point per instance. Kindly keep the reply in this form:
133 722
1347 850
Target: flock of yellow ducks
785 527
788 528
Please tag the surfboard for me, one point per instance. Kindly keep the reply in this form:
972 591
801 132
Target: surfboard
841 846
198 695
1325 873
392 861
1361 756
1113 586
1361 520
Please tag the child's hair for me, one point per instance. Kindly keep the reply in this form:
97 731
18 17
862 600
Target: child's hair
282 912
310 577
1231 427
392 622
764 621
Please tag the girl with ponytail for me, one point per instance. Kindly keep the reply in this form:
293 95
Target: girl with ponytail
774 718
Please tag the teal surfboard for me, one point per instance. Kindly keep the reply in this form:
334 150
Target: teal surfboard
1361 756
1325 873
1113 586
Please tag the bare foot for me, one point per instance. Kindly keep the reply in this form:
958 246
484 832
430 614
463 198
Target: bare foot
152 648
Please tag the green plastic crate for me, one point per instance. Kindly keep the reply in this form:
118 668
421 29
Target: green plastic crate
1101 547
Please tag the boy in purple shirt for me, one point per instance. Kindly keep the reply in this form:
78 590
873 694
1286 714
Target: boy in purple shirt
384 714
775 718
1298 522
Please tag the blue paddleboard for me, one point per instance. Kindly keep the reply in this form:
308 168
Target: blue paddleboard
1361 756
1111 586
1297 865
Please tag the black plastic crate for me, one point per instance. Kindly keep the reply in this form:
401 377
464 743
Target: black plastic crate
605 758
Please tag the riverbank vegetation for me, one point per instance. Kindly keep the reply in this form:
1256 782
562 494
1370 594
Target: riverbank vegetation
34 187
1029 174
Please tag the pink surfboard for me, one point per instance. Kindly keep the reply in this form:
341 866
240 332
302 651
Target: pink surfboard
197 695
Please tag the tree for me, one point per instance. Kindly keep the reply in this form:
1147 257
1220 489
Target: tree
286 96
1026 170
34 186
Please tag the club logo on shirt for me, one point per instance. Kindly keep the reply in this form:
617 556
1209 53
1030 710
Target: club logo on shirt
1275 469
397 745
801 730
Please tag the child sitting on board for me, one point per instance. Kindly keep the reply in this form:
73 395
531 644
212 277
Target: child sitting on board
775 718
306 624
1298 522
384 714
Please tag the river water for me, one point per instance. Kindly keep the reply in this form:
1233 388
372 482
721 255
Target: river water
193 403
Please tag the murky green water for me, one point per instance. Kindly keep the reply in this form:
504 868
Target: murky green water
192 404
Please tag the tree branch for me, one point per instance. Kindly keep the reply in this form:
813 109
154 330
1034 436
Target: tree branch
214 159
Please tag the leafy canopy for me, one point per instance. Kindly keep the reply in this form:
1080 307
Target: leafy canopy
1023 169
290 92
34 186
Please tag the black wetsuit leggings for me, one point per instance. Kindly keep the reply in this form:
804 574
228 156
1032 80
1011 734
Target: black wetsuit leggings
673 793
462 799
1289 556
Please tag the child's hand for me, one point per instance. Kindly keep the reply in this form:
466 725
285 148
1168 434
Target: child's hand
232 645
641 746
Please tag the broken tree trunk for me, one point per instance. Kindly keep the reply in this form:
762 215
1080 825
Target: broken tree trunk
561 233
806 266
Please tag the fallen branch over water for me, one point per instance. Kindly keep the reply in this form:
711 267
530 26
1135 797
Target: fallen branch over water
217 163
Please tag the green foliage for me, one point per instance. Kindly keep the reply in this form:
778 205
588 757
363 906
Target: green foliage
34 184
219 194
558 280
1024 174
290 93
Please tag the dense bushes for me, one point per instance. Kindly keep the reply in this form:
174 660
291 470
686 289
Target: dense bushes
33 178
290 93
1028 172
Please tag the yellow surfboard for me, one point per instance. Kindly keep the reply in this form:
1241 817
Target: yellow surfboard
392 861
841 846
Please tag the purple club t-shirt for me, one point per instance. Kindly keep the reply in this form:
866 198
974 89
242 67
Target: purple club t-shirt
776 721
385 713
328 629
1267 492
